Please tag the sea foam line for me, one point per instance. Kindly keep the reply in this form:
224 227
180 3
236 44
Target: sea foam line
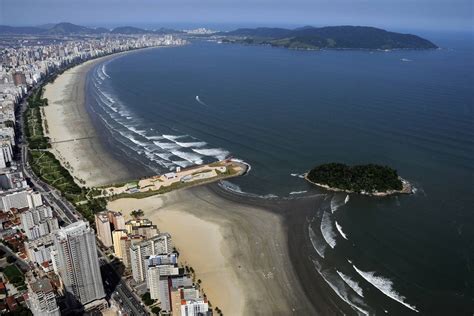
351 283
339 229
319 247
385 286
340 292
327 230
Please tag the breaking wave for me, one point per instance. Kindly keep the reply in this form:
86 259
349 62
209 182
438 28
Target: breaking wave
327 230
339 229
385 286
161 150
339 287
317 244
351 283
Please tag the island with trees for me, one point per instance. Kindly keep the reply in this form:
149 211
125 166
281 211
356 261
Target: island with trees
330 37
367 179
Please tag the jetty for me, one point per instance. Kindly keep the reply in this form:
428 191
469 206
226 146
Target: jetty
178 179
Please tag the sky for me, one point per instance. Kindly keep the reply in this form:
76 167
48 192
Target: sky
391 14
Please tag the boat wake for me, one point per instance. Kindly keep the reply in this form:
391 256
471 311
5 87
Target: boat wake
200 102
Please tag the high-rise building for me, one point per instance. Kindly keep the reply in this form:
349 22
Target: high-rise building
42 299
116 239
117 220
125 244
78 263
102 225
39 221
160 244
143 227
192 304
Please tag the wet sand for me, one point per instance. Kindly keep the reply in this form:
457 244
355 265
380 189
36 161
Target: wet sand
253 257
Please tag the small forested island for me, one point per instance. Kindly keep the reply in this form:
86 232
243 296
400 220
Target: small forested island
367 179
331 37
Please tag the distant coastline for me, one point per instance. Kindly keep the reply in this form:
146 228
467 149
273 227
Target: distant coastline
333 37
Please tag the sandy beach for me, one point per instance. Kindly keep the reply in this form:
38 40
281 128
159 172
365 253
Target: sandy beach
74 140
238 251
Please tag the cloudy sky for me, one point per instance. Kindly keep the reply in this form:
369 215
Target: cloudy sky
396 14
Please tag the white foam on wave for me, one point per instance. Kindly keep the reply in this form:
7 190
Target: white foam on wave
165 146
154 137
336 203
191 144
351 283
173 137
385 286
297 192
339 229
339 288
191 157
317 245
218 153
327 230
104 71
164 156
230 186
138 142
182 163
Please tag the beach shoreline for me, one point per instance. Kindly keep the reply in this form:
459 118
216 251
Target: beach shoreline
75 141
239 251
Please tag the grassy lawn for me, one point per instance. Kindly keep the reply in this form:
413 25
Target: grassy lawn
48 168
33 127
14 275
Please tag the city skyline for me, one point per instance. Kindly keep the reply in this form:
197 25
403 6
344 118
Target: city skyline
422 15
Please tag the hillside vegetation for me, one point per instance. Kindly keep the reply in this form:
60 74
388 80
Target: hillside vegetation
335 37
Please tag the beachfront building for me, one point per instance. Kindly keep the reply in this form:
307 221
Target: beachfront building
191 303
102 226
117 220
141 226
78 263
42 298
160 244
117 236
125 244
198 307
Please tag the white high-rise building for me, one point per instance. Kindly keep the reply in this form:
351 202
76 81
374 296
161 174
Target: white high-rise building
42 299
78 263
191 302
160 244
37 222
102 225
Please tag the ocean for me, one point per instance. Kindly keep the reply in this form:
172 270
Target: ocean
285 111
